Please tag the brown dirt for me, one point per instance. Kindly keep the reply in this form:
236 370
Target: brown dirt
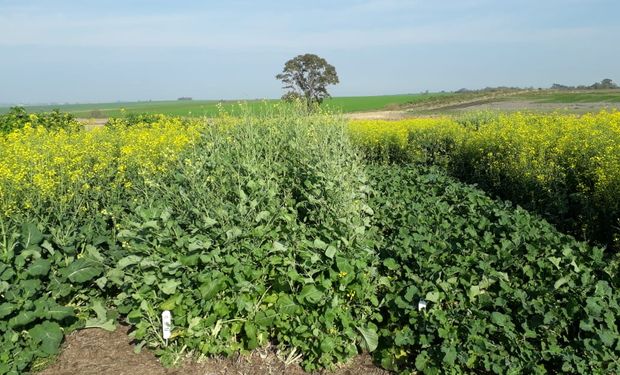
525 105
377 115
92 123
487 104
98 352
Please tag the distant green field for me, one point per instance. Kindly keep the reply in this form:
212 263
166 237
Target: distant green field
371 103
211 107
173 107
345 104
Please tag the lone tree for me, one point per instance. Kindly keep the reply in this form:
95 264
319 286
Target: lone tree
307 76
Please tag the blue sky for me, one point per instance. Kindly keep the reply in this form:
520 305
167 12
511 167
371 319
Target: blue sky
93 51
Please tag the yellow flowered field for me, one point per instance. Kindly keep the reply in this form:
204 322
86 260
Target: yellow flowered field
406 139
564 166
542 147
39 165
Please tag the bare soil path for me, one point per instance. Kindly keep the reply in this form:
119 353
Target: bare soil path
378 115
97 352
525 105
501 105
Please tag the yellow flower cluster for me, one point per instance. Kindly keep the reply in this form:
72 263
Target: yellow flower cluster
404 139
39 165
554 148
546 148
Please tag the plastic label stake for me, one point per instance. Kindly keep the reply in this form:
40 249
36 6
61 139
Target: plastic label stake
166 322
421 305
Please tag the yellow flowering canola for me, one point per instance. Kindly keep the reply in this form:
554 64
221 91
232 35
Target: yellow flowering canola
403 139
38 165
542 147
566 158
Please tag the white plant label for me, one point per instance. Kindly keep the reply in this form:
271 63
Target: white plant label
421 305
166 323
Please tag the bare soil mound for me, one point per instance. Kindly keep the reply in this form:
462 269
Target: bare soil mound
377 115
524 105
98 352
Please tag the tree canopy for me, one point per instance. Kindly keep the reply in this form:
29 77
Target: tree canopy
307 77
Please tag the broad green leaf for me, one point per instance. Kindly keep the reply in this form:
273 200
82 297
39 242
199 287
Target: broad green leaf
30 287
48 246
94 253
432 296
100 310
169 286
23 318
170 303
586 325
371 338
344 265
250 332
390 264
561 281
209 222
327 345
190 260
134 316
101 282
149 279
83 270
6 309
286 305
59 312
39 267
608 337
233 233
101 321
310 294
330 252
499 318
450 355
277 246
474 291
319 244
116 276
263 215
421 360
107 325
48 335
210 288
128 261
265 318
126 234
198 245
4 286
594 306
31 235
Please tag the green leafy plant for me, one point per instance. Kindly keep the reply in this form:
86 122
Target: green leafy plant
17 118
505 292
269 228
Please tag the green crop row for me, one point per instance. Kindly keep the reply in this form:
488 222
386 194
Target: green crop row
506 293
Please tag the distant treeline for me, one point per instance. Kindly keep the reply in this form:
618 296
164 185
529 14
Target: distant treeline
605 84
492 89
